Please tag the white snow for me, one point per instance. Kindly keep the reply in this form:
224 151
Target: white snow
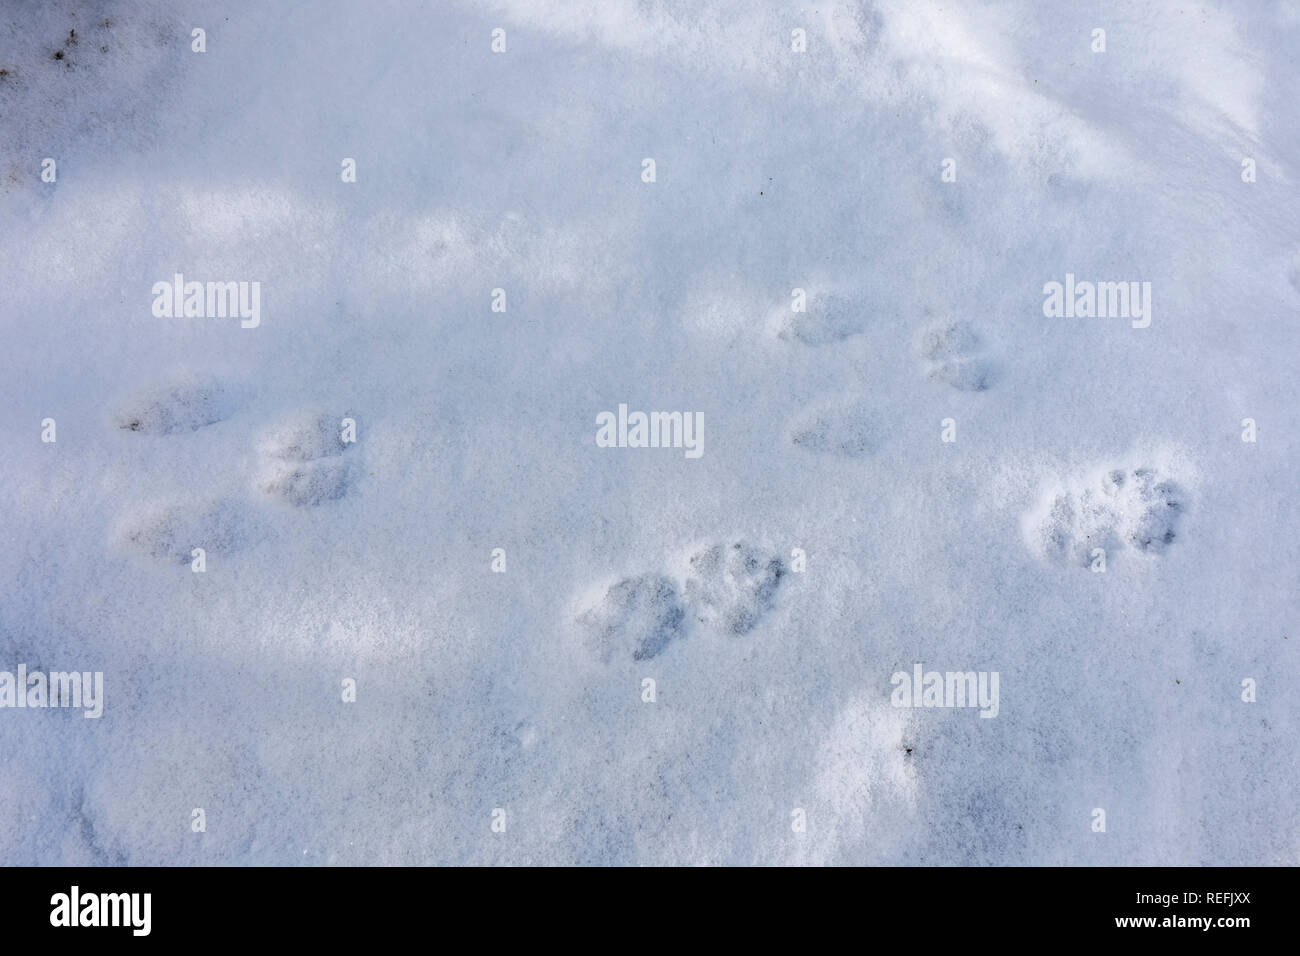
523 690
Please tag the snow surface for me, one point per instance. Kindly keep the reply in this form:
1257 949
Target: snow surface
476 430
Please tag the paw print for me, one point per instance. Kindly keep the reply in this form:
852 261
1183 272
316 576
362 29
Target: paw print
951 352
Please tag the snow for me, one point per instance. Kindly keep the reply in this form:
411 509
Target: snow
475 430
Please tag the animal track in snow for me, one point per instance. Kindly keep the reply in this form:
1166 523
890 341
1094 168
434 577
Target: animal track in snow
169 532
185 405
828 317
951 350
305 461
638 615
848 430
728 588
1137 508
733 586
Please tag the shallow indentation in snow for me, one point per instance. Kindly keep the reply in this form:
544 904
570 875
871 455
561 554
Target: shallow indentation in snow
845 429
304 460
951 349
637 616
185 405
1138 508
733 585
